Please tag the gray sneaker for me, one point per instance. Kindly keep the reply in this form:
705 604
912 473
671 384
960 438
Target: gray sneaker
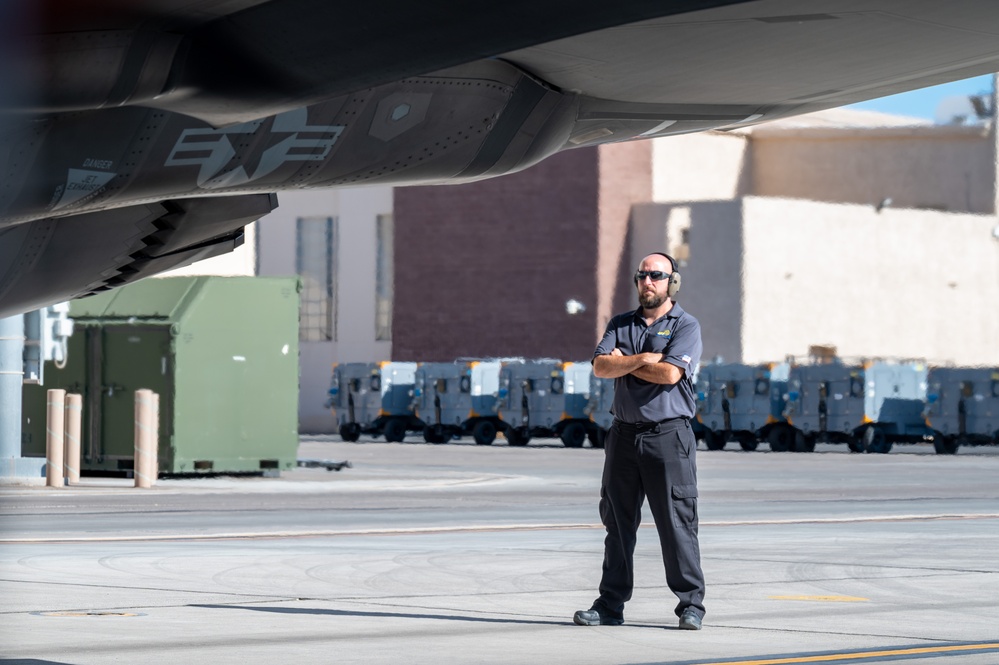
690 620
596 617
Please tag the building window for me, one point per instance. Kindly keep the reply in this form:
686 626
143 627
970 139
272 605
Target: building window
315 262
384 284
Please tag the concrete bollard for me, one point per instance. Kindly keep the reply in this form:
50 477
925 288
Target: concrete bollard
144 439
74 416
54 431
154 427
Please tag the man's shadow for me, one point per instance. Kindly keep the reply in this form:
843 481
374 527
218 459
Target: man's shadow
401 615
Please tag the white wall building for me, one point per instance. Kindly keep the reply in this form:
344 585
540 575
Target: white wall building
841 228
771 277
340 243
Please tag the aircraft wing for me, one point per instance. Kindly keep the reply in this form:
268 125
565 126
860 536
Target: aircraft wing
110 108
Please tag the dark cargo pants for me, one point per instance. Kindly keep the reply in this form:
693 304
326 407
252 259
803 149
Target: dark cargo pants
657 461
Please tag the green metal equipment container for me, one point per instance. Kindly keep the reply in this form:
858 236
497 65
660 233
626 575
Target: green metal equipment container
221 352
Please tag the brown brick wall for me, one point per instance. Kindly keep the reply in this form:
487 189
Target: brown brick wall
485 269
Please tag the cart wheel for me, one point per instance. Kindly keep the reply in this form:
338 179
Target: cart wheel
803 443
395 430
434 434
350 432
573 435
714 440
875 440
516 437
484 433
781 438
748 443
945 445
597 436
855 444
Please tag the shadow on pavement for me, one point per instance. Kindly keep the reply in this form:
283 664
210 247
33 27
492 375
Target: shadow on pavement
403 615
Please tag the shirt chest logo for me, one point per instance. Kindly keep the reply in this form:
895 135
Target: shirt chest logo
663 333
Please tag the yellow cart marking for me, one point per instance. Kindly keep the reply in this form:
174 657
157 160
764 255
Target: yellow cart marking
863 655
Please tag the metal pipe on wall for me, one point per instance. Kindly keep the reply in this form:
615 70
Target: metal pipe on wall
11 377
995 144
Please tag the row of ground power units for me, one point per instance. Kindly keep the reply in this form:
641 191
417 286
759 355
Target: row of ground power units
444 401
868 407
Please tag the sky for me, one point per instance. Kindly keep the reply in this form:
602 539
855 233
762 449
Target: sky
923 103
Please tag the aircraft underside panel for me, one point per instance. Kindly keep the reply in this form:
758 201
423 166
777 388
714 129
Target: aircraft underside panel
471 122
52 260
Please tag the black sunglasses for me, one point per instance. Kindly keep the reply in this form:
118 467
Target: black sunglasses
654 275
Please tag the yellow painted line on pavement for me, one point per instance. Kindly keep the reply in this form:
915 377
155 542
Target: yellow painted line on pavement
824 599
864 655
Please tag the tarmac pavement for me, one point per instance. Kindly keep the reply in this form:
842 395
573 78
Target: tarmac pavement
472 554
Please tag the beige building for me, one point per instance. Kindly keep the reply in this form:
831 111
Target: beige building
770 277
837 156
863 231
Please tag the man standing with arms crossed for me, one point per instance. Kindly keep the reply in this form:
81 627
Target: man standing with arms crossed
650 448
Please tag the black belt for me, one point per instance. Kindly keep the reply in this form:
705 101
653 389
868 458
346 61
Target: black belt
646 426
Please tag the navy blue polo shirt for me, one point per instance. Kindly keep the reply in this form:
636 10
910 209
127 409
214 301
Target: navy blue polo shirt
677 335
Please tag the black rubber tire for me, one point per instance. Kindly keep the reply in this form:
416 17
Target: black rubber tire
435 434
516 437
714 440
350 432
748 442
803 443
484 433
597 436
855 444
395 430
875 440
573 435
945 445
781 438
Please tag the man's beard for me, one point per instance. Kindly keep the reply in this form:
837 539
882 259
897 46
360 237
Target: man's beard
651 300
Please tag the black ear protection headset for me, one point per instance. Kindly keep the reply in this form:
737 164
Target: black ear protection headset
674 277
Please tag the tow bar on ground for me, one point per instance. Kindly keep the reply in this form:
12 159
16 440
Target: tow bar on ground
329 465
